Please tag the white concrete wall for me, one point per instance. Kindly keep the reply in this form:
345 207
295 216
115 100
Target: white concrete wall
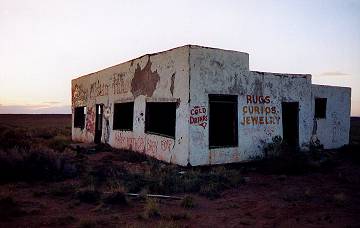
222 72
333 131
187 75
168 81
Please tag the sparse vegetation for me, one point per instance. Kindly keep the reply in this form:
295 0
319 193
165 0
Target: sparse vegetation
116 198
151 209
59 142
37 162
188 202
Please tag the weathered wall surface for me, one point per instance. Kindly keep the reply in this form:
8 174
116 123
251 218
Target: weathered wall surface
220 72
158 77
187 75
333 131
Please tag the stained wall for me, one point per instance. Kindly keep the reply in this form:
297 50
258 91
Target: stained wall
159 77
187 75
333 130
226 72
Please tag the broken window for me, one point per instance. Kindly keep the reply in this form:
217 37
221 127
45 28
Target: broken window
223 121
79 117
320 108
123 116
160 118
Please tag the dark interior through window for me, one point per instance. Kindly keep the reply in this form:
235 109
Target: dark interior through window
160 118
123 116
320 108
79 117
223 121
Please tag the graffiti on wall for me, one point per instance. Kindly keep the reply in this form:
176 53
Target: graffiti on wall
258 111
118 84
140 143
198 116
79 96
90 120
98 89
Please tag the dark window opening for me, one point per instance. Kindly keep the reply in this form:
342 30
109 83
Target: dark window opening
320 108
223 121
160 118
123 116
79 117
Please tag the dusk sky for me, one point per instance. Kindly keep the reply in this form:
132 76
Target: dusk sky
44 44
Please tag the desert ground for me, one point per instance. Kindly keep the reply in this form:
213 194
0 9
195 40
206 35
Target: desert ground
48 181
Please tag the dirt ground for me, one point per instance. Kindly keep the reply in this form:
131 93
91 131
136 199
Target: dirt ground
328 196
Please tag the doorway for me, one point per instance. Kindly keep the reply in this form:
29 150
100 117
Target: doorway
98 123
290 122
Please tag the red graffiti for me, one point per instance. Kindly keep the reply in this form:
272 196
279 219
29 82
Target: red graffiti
151 146
198 116
131 143
120 139
90 120
166 144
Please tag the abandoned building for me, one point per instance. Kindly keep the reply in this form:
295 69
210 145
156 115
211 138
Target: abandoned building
196 105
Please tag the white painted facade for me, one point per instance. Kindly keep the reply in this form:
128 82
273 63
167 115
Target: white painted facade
187 75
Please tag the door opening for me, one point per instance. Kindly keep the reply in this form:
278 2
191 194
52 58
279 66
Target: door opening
290 122
98 123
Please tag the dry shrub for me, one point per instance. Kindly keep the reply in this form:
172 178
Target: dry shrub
151 209
37 163
116 198
59 142
209 182
279 158
14 137
188 202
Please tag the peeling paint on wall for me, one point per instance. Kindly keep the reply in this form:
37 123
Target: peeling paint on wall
172 84
144 81
187 75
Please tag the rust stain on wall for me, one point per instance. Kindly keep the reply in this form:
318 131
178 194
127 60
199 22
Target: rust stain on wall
144 81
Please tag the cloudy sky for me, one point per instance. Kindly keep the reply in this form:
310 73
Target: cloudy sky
44 44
